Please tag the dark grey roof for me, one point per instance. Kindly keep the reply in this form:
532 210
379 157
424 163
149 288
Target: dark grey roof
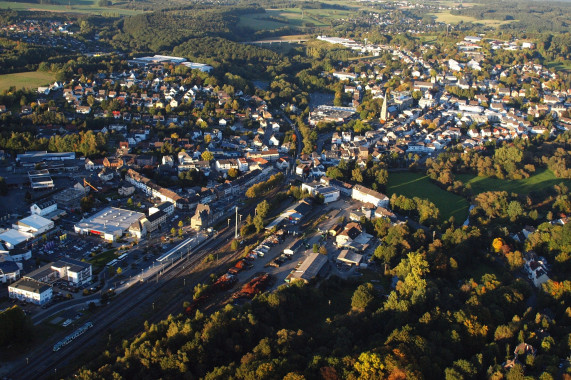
72 264
8 267
155 216
40 273
164 205
46 204
30 285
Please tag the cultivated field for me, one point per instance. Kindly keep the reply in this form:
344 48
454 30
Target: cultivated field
30 79
74 6
294 17
448 18
419 185
543 180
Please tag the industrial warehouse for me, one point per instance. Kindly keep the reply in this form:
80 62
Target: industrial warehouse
112 223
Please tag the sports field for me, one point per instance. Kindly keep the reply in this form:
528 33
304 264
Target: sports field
542 180
419 185
30 79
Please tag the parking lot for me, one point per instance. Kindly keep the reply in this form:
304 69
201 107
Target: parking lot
271 259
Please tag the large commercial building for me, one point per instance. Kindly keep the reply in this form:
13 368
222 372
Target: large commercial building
34 224
12 239
112 223
32 158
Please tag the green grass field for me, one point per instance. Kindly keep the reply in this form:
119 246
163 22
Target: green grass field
419 185
76 6
559 66
448 18
541 181
103 258
30 79
293 17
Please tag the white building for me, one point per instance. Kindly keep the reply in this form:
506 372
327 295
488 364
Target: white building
74 271
9 271
151 189
366 195
536 271
166 207
44 208
34 225
30 290
12 238
330 194
111 223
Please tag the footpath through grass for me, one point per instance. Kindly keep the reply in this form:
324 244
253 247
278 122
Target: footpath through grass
419 185
28 80
541 181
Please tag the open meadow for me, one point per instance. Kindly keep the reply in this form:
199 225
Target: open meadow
449 18
74 6
419 185
294 17
541 181
31 79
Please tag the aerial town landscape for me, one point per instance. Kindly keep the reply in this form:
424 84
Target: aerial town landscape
285 190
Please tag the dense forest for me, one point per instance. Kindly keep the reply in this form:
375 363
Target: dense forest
164 30
458 310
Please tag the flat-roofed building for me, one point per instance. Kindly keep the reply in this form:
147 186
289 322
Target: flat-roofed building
111 223
34 224
329 193
74 271
12 239
32 158
40 179
69 199
30 290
